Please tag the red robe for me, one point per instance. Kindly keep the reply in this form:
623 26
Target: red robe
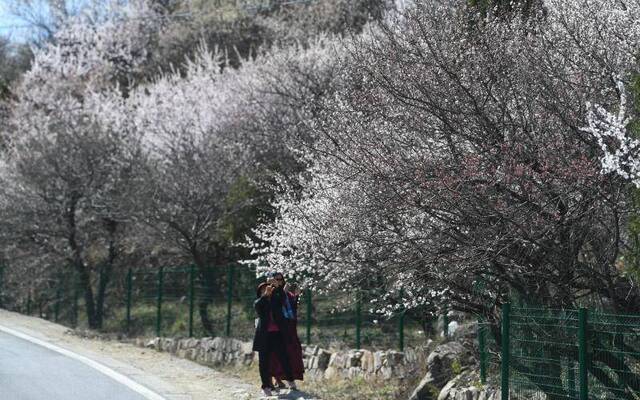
293 347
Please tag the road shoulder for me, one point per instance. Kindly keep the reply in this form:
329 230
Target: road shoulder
169 376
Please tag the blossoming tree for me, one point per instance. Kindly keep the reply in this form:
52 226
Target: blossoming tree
454 165
71 159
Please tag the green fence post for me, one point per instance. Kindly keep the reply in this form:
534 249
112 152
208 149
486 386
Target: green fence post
159 313
229 298
401 331
401 323
358 319
445 323
129 295
309 311
506 310
1 284
618 342
29 302
56 306
482 347
192 279
571 378
76 296
583 360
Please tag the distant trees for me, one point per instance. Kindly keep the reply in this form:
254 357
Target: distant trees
14 60
71 162
193 162
213 136
46 17
240 31
103 159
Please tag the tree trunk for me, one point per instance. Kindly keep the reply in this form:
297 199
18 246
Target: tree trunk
106 271
85 284
105 277
207 324
83 271
207 286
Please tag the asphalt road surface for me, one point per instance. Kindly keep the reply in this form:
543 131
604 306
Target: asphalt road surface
32 372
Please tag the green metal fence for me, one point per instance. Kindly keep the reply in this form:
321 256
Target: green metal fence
568 354
168 302
535 353
542 351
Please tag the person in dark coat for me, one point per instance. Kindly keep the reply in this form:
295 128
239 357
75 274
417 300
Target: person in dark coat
270 338
293 346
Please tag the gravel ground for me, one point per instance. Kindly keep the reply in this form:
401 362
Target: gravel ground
174 378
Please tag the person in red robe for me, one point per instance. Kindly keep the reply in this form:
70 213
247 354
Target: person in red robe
293 347
269 340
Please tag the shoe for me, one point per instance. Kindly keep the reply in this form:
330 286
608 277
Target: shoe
280 385
267 392
292 385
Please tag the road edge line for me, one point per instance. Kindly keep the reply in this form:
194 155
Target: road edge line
116 376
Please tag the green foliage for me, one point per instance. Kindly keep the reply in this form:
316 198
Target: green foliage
175 320
631 258
244 205
634 126
434 391
456 367
14 61
4 89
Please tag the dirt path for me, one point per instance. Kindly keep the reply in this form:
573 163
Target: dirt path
171 377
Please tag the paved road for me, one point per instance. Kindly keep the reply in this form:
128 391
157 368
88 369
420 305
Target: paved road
32 372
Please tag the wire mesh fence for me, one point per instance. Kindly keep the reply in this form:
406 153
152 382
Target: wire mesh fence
218 301
569 354
488 354
614 368
544 353
531 353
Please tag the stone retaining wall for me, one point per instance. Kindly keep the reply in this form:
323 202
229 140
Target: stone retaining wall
441 382
319 363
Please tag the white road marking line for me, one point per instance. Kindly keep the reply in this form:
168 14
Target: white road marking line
116 376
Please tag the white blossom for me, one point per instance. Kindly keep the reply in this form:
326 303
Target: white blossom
620 150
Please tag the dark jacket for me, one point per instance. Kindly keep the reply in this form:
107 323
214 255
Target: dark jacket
294 300
264 306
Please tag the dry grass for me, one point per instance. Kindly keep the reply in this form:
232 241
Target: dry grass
343 389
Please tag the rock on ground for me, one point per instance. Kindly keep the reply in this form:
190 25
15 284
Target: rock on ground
440 369
463 387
